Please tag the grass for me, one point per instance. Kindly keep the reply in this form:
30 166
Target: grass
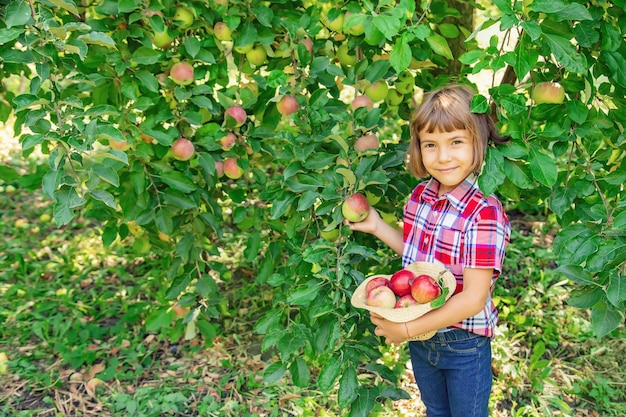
72 320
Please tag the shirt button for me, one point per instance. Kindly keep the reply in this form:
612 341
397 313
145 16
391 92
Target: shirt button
426 240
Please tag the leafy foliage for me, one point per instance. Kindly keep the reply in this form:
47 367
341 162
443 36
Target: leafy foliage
97 77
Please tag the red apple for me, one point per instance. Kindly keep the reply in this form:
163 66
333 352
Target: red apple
237 113
381 297
228 141
219 168
548 92
400 282
367 142
362 101
355 208
406 301
232 169
182 149
376 282
425 289
182 73
287 105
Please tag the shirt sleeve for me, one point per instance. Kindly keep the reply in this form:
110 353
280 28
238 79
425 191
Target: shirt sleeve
486 239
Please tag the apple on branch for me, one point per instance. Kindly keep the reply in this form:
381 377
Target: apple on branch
222 32
232 169
184 17
182 149
235 114
228 141
355 208
549 92
287 105
377 90
182 73
367 142
362 101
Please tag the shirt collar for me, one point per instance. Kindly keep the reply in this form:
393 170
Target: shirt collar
457 197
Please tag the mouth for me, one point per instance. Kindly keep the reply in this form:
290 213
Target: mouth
446 170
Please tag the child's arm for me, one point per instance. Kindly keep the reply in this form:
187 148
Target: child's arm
375 225
476 287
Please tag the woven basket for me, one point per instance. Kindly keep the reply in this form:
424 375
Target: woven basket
403 315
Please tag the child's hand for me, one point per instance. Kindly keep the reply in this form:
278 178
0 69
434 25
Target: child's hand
395 333
369 225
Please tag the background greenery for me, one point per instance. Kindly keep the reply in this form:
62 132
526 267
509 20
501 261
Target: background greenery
232 268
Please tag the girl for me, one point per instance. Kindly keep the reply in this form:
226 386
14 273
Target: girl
447 219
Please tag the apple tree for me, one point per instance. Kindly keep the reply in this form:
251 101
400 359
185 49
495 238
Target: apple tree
190 129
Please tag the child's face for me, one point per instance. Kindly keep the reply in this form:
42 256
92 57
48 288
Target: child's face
448 157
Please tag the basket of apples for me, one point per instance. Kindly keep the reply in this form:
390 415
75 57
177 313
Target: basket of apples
407 294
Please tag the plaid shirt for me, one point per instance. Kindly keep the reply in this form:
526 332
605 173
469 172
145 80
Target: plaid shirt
461 229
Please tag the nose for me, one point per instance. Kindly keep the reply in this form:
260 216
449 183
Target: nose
444 154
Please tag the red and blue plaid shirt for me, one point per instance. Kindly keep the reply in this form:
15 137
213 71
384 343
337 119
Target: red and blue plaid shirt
461 229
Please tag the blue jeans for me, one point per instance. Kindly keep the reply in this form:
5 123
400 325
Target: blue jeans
453 373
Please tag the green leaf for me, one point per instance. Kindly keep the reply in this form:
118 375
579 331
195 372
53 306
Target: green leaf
329 373
17 13
98 38
617 66
365 401
577 274
9 34
268 321
107 173
389 23
605 319
110 132
159 318
348 386
67 199
493 171
68 5
566 53
439 45
184 245
274 372
577 111
178 181
104 196
179 284
251 251
479 104
206 286
542 166
304 294
192 46
616 290
8 174
148 80
146 56
127 6
526 57
300 373
516 174
401 54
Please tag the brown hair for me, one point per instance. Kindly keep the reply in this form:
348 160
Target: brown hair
447 109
